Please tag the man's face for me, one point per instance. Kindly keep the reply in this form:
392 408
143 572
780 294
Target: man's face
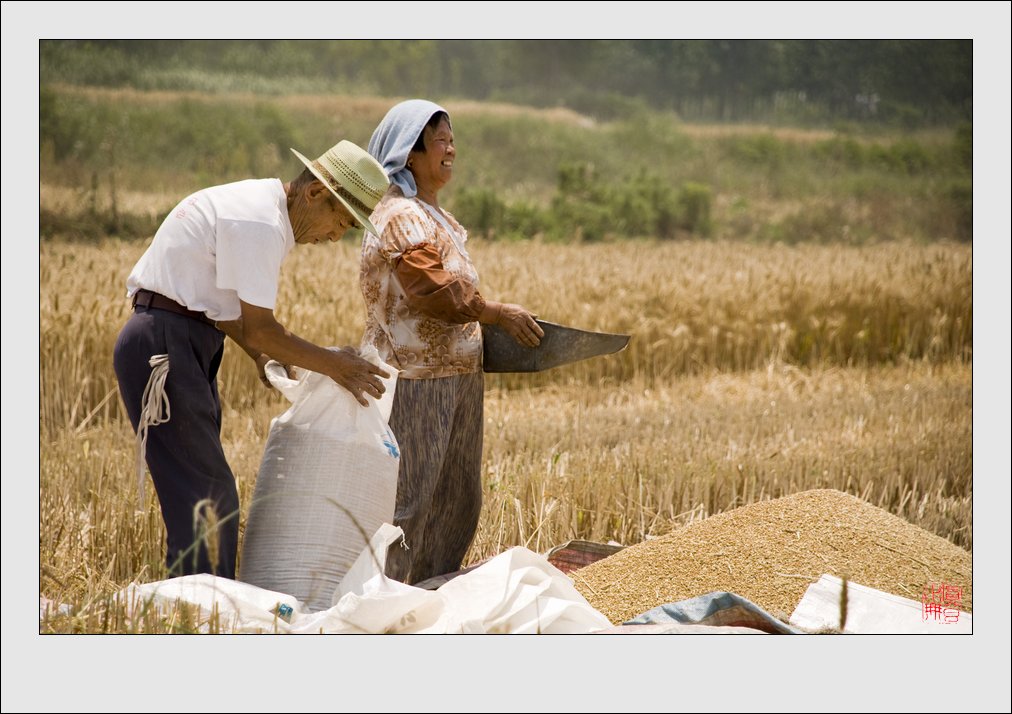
326 219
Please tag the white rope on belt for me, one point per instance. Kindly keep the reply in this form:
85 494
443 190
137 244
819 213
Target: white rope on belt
154 411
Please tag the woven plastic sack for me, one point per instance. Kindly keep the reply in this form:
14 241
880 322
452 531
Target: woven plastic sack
716 609
327 481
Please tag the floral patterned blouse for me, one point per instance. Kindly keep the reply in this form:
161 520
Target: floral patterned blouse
421 290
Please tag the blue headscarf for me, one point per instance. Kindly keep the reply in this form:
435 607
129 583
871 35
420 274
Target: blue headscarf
396 134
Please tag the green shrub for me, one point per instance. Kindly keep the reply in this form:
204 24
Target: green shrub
903 157
523 220
481 211
694 201
963 146
759 150
84 62
817 223
605 106
960 199
911 156
905 116
205 138
842 150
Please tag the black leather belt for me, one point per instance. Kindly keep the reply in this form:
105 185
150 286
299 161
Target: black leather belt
149 299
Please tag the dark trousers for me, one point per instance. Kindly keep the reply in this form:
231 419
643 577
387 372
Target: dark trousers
438 424
184 454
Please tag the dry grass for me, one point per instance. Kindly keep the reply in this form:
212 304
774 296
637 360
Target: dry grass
633 461
71 201
692 308
706 411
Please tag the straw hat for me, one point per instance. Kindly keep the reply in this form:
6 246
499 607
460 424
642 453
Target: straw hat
355 177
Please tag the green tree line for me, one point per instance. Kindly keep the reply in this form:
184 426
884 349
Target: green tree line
905 83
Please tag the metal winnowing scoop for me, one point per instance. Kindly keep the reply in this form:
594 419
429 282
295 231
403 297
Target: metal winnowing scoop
560 345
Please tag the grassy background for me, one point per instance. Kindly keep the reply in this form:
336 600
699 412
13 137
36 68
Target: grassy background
119 159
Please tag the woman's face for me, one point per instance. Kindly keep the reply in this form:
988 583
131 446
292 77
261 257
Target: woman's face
433 168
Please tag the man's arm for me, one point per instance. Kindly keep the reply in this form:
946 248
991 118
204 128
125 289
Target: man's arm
263 338
233 330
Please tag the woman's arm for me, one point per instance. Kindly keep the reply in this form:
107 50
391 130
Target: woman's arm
434 291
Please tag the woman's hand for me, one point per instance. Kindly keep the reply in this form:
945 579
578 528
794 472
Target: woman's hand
517 321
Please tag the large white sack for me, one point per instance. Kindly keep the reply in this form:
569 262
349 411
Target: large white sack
327 481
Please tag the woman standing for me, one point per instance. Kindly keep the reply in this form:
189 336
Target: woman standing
423 310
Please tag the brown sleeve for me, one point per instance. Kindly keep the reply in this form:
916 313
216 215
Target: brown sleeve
432 290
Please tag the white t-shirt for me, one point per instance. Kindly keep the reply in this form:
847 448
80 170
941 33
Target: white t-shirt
220 245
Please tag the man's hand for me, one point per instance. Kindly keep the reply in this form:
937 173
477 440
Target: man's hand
357 375
260 335
262 361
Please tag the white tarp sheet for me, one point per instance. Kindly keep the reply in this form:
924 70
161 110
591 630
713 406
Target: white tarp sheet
871 611
517 591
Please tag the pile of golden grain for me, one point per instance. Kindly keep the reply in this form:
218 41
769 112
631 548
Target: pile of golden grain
770 552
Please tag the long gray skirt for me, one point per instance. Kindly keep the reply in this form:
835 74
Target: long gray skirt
439 425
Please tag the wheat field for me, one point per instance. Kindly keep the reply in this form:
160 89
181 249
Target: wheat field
753 372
